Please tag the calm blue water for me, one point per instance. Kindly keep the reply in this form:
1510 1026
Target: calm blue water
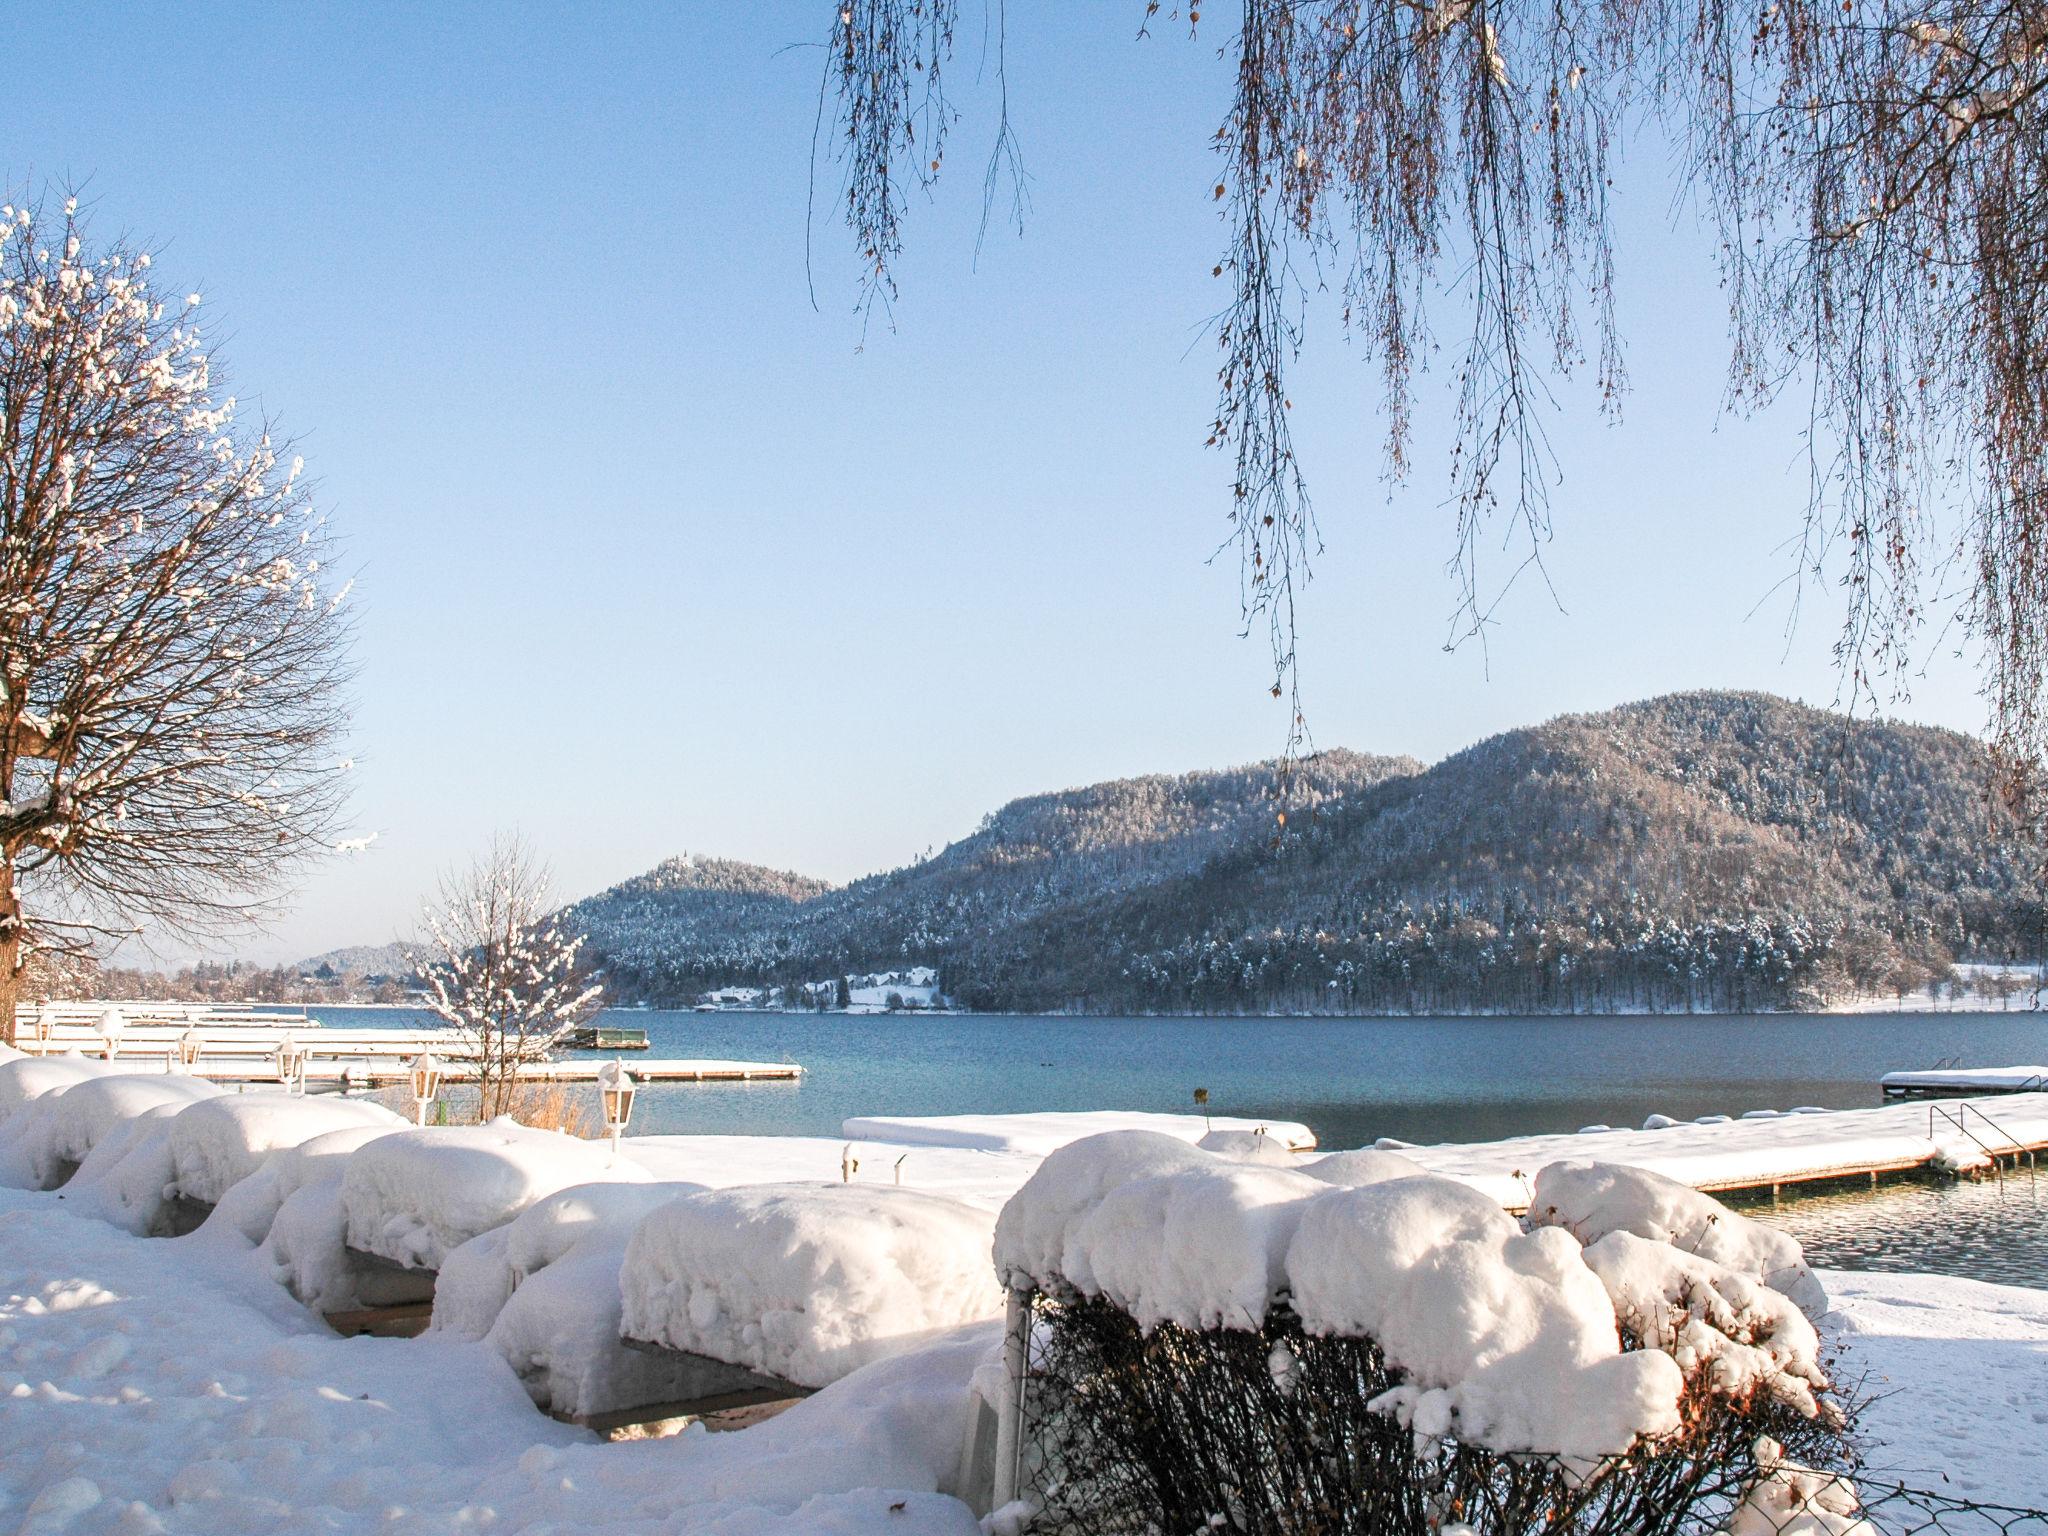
1352 1080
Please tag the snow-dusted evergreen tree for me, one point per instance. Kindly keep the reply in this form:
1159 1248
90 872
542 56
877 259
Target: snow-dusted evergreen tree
505 974
171 654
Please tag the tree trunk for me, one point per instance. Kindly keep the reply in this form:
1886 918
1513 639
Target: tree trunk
10 951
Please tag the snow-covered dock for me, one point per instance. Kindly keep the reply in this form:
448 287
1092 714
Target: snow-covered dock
1954 1082
1769 1149
361 1074
243 1046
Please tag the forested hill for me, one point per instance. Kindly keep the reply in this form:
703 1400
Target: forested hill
1696 850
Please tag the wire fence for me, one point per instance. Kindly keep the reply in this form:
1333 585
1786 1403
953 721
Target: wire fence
1180 1432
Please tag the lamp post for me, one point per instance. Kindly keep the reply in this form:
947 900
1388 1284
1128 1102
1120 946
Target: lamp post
190 1044
426 1083
112 1026
615 1092
291 1064
46 1025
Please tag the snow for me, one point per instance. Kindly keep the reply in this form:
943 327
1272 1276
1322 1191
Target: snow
1954 1374
1719 1153
217 1144
1351 1170
148 1392
1507 1339
1168 1232
1745 1335
983 1178
43 1144
1790 1499
23 1078
249 1206
1594 1199
414 1196
1039 1134
2007 1078
807 1282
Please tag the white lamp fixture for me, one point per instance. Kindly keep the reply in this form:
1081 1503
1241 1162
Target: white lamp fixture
426 1083
46 1025
615 1092
190 1044
291 1064
113 1024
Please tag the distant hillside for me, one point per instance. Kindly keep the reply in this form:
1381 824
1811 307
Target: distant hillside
690 923
1695 850
355 960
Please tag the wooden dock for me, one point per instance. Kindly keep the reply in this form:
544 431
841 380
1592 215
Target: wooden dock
1770 1152
240 1045
1963 1082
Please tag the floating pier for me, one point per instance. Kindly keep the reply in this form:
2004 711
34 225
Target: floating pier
1768 1151
1961 1082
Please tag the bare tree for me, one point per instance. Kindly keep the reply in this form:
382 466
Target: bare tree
1877 175
171 654
506 976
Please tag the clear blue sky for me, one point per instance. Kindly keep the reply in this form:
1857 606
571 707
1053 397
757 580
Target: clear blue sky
653 556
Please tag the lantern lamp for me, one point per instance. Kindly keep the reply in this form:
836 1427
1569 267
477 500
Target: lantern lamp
291 1064
190 1044
46 1025
426 1083
615 1091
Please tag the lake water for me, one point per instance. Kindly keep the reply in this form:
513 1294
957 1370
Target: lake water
1352 1080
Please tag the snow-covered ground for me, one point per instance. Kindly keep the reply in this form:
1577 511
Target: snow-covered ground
184 1384
166 1386
1979 987
1956 1377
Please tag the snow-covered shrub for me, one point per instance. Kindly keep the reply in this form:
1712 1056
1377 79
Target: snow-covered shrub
1591 1199
1223 1346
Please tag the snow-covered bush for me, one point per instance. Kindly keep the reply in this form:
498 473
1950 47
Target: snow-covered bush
1592 1199
1222 1345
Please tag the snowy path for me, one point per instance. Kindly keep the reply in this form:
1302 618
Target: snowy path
165 1386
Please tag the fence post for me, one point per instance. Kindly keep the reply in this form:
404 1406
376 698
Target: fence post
1010 1416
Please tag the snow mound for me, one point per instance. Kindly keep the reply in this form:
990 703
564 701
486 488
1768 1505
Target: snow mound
1507 1339
1043 1133
217 1144
478 1278
1744 1335
42 1146
1250 1147
25 1078
807 1282
305 1249
123 1180
415 1196
250 1205
1593 1199
1168 1232
1354 1170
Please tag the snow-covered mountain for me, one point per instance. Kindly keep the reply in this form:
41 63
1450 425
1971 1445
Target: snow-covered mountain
1694 850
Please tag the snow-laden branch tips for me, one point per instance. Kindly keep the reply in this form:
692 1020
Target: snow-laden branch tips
171 666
